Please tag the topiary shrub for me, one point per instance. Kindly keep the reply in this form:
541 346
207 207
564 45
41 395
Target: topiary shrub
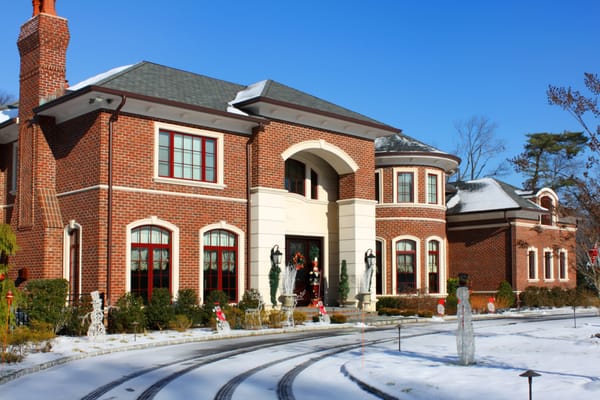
344 288
45 301
505 296
128 315
159 310
250 299
187 304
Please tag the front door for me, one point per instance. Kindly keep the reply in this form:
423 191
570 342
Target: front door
301 251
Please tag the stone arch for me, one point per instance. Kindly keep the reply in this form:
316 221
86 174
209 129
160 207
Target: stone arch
336 157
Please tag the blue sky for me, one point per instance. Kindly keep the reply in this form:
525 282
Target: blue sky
417 65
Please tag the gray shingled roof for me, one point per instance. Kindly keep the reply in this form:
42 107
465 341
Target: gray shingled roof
399 143
159 81
172 84
284 94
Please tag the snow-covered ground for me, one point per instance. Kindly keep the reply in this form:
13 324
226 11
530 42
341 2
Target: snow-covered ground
566 357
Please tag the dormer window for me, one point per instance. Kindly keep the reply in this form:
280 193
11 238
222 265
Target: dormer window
547 203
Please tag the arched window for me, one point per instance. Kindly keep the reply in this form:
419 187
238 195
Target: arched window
150 260
220 263
406 264
433 266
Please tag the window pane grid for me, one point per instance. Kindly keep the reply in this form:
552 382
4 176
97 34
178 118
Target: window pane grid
406 265
432 196
405 187
188 157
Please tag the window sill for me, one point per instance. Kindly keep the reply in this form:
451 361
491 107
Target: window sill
207 185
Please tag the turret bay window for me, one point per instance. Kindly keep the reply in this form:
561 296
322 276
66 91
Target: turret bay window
220 263
433 266
405 187
150 260
186 156
406 264
432 189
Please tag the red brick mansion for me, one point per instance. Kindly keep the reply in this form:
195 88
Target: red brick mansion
149 177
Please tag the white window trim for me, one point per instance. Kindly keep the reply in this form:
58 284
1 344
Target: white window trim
441 266
379 180
241 256
566 253
15 162
415 173
383 269
537 264
67 253
219 137
417 258
153 220
440 192
551 278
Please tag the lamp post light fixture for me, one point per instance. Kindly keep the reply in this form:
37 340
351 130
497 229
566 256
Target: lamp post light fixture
9 299
529 374
276 255
370 258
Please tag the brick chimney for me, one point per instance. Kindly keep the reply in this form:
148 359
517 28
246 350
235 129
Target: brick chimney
42 44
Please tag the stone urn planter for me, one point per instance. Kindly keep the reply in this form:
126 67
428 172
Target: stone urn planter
288 300
364 300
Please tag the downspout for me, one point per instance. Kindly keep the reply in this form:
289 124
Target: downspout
113 118
248 206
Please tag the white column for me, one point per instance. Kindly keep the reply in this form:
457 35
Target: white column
356 235
267 228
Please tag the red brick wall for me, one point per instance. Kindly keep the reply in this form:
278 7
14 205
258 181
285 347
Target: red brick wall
481 253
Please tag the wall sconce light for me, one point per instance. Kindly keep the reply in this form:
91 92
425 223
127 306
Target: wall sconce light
276 255
370 258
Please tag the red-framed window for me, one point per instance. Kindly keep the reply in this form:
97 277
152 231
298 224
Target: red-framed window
184 156
433 266
150 260
406 264
432 189
220 263
405 187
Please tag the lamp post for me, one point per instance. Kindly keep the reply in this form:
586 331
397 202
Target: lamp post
9 298
274 273
529 374
370 258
